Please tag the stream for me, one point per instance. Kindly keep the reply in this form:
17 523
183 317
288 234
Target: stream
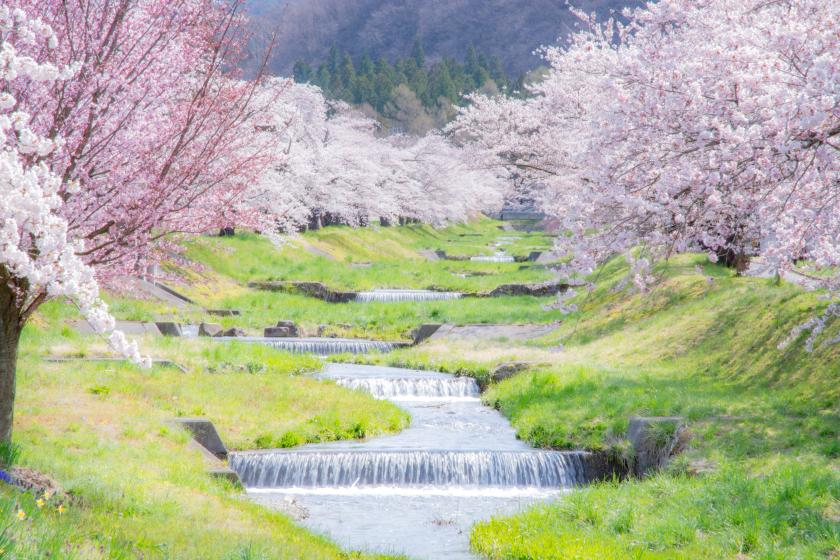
417 492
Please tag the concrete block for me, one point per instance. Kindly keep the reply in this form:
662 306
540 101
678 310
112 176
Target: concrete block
225 473
209 329
204 432
168 328
424 332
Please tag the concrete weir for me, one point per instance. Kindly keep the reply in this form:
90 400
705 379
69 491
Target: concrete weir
323 346
320 291
389 296
417 492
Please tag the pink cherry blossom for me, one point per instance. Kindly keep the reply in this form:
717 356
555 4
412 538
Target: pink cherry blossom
707 125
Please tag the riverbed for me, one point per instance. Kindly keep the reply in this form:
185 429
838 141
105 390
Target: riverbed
417 492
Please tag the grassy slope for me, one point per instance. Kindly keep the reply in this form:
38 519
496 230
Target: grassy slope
702 345
764 420
138 490
230 263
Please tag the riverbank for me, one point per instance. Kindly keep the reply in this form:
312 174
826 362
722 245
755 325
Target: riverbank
759 477
215 273
131 484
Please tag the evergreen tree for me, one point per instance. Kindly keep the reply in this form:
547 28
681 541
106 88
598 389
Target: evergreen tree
472 68
418 54
366 67
302 72
332 61
443 85
324 79
347 72
386 87
497 73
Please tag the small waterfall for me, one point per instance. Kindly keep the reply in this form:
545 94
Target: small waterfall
413 388
327 346
404 295
315 469
493 258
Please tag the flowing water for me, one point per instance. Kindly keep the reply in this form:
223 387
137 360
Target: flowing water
404 295
417 492
321 346
499 258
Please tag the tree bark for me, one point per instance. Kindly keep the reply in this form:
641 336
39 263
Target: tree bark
315 221
9 340
730 258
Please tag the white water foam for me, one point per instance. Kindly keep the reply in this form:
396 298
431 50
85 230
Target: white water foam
413 388
411 492
318 469
493 259
389 296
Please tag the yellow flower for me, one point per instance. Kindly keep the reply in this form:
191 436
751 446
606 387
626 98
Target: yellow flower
40 503
61 508
21 514
47 494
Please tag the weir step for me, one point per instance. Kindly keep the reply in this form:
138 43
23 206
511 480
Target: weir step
312 469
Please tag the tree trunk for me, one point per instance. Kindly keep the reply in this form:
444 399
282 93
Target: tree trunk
315 221
730 258
9 339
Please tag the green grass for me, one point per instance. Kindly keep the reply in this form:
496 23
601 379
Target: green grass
135 489
222 268
702 345
758 480
386 321
785 512
247 257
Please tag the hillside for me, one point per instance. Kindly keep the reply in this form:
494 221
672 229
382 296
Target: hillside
758 475
307 29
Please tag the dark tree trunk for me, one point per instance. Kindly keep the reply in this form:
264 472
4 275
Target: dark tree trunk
227 232
9 339
384 222
733 259
330 219
315 222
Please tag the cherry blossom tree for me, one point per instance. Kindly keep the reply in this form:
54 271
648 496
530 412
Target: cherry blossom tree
443 182
710 124
332 165
121 123
35 251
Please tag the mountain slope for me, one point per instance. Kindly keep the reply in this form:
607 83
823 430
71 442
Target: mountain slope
509 29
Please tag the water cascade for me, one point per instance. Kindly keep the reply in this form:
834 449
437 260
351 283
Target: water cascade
497 258
337 469
404 295
414 388
417 492
322 346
